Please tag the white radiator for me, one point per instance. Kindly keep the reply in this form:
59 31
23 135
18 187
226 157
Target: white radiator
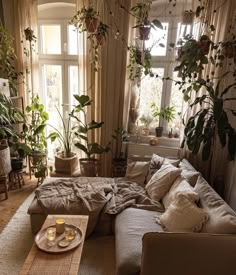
148 150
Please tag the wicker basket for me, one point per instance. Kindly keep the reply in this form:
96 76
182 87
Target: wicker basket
5 158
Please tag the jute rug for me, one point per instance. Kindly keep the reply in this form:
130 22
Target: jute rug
16 240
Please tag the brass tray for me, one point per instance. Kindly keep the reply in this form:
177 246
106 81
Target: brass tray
42 242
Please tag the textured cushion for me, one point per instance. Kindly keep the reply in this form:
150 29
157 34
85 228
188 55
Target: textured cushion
183 216
222 219
130 226
161 181
156 163
137 172
190 176
179 186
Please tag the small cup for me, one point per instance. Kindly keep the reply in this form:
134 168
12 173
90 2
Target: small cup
51 235
70 234
60 226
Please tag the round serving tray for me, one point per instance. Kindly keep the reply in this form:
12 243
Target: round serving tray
42 242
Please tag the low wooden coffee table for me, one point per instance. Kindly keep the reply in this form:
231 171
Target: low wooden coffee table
39 262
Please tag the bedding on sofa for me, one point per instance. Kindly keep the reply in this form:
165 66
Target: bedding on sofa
91 196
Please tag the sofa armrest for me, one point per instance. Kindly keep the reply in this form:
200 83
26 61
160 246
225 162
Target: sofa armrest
188 253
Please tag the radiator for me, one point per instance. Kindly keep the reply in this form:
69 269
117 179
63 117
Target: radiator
148 150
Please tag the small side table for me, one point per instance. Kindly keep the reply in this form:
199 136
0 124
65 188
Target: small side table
4 185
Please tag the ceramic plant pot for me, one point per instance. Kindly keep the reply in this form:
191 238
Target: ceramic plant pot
66 164
144 32
90 167
159 131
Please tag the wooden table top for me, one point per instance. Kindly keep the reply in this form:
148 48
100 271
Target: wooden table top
67 263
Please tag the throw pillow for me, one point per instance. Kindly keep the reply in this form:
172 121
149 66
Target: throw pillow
156 163
137 171
191 176
179 186
222 219
161 181
183 216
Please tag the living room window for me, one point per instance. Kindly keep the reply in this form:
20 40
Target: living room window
154 89
58 70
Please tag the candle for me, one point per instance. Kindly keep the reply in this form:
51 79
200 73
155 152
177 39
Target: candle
60 226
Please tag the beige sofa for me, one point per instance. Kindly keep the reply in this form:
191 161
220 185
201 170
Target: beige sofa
142 244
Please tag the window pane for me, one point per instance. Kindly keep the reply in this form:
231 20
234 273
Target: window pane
72 40
156 37
73 83
151 92
52 82
183 30
51 39
177 101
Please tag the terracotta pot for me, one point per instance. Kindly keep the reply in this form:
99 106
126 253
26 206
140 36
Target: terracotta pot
187 17
91 24
66 165
90 167
100 39
144 32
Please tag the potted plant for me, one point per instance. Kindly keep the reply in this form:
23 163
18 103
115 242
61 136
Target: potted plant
146 121
66 161
89 166
19 151
204 44
167 113
141 12
34 130
101 33
119 161
86 19
187 17
211 121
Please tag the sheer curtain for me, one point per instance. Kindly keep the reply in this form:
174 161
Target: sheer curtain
107 86
25 16
221 14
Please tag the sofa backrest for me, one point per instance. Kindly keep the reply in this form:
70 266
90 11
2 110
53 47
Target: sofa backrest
188 254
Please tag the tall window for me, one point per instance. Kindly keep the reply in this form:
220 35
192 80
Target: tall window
58 69
154 89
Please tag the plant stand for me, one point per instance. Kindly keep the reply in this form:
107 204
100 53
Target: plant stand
16 177
4 185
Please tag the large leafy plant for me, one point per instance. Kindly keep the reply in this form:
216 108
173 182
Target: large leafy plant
65 137
211 121
84 128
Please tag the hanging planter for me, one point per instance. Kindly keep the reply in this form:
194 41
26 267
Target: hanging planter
144 32
101 33
187 17
204 44
91 24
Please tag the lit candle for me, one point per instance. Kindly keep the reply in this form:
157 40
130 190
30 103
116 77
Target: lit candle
60 226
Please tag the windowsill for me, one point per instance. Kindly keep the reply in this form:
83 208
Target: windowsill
162 141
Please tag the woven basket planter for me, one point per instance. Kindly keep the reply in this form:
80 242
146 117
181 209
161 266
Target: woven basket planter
5 158
66 165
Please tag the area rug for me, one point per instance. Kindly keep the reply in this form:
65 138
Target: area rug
98 256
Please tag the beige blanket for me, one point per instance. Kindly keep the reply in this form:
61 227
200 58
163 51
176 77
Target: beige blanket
92 196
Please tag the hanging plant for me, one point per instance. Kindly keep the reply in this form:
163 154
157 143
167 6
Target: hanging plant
86 19
101 33
141 12
187 17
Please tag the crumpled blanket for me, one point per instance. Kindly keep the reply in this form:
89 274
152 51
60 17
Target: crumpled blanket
92 196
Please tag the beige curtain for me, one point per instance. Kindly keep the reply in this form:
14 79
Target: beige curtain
25 15
221 19
107 86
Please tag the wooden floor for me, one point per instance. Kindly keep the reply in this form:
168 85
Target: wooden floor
15 198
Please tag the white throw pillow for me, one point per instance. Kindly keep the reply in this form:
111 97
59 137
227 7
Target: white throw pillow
183 216
156 163
191 176
179 186
137 172
161 181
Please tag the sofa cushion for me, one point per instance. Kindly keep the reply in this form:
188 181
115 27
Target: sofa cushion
190 176
130 226
156 163
222 219
183 216
137 172
161 181
179 186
